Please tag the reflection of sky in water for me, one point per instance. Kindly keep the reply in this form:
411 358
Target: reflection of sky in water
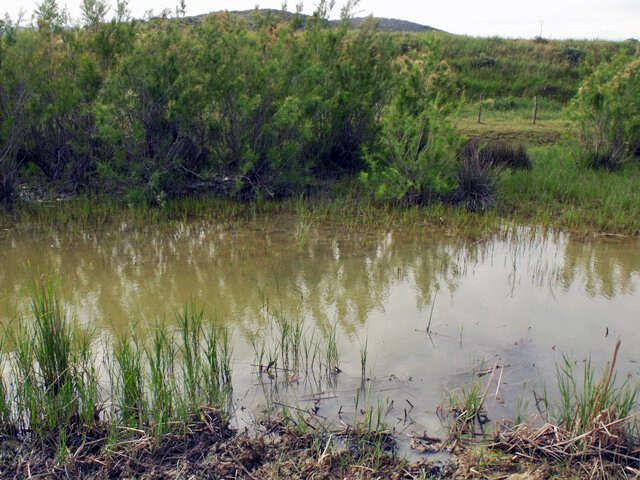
522 297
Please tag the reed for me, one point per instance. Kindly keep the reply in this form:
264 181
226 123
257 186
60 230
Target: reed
128 386
160 356
190 324
286 347
53 395
55 382
53 336
5 402
332 356
585 403
217 372
363 361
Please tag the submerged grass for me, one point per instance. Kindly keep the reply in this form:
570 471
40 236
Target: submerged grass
286 350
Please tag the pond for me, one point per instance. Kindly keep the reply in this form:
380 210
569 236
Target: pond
433 312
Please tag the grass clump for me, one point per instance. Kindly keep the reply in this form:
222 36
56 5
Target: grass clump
466 412
287 351
597 404
476 183
593 421
155 388
55 383
497 153
129 383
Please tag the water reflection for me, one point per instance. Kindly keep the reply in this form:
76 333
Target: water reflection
132 276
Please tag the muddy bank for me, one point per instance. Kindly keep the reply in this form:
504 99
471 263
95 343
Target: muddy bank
209 448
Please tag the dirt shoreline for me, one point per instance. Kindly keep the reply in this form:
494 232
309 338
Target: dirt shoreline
211 449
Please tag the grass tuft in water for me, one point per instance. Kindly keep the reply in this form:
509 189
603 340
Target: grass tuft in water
128 386
53 395
55 382
593 401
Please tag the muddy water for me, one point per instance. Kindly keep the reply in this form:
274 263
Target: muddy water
520 299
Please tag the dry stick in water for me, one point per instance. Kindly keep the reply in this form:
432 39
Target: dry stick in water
431 314
497 395
486 390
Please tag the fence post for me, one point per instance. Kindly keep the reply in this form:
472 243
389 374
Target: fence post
535 109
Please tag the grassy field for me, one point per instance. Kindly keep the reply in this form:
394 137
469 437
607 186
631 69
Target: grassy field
514 125
559 192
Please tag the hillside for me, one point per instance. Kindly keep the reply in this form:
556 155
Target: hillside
384 24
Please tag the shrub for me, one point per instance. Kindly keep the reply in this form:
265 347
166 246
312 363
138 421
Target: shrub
484 62
262 110
496 153
413 162
607 113
13 96
8 180
572 55
476 183
414 159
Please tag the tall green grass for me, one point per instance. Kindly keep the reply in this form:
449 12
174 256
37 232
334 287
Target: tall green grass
128 383
590 401
560 191
55 381
54 394
287 349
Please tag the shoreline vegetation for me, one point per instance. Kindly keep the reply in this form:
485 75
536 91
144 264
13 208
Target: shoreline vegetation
160 407
554 194
257 108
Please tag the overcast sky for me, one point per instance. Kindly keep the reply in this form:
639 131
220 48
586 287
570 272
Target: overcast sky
608 19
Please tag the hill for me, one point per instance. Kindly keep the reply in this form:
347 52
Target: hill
384 24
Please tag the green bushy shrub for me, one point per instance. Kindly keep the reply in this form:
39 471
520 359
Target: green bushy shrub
263 111
606 111
12 97
414 160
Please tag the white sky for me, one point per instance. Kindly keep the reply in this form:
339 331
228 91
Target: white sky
607 19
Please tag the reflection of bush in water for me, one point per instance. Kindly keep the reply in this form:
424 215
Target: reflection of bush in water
145 274
608 268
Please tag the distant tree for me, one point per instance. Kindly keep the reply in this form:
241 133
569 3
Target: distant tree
94 12
123 14
181 9
48 15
